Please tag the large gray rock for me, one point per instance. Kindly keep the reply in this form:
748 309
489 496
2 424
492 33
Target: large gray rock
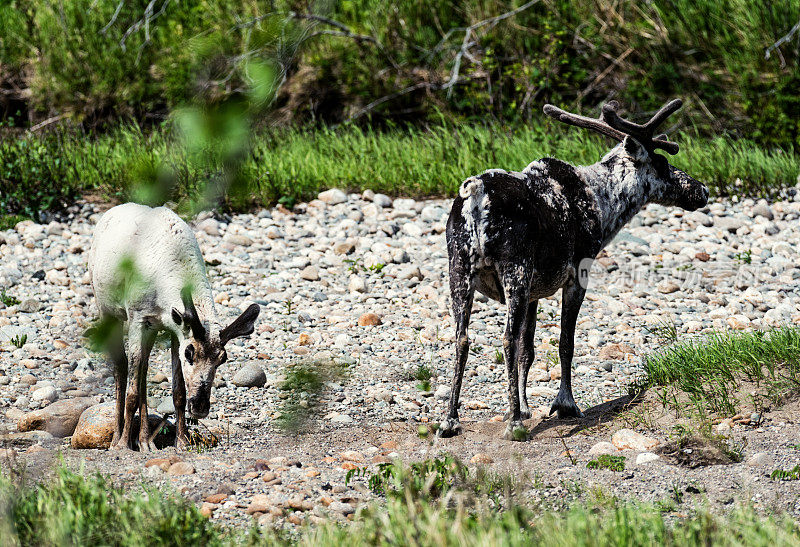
250 375
59 419
29 305
45 393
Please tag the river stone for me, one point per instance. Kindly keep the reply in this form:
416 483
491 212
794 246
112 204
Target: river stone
250 375
603 447
627 439
95 427
333 196
46 393
59 419
29 305
382 200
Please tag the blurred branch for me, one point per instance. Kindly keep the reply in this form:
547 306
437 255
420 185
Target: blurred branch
615 63
145 21
345 30
468 42
148 17
47 122
376 103
776 46
113 17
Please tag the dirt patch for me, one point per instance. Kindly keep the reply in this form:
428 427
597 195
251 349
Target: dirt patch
696 451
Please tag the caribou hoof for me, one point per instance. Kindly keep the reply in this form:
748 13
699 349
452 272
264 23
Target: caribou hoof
565 406
449 428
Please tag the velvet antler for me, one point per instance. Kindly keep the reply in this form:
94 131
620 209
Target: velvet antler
611 125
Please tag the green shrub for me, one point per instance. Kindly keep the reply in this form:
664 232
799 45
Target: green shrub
712 53
72 510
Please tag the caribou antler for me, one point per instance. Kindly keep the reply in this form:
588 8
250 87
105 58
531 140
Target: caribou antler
611 125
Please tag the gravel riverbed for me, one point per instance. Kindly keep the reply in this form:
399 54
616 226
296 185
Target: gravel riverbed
361 280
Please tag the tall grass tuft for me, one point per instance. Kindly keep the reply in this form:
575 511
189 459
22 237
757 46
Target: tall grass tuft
712 370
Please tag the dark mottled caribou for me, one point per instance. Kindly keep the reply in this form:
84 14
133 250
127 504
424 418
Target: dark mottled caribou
520 236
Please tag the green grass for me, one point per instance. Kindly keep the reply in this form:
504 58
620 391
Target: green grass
44 173
8 299
606 461
423 375
301 390
712 370
68 509
792 474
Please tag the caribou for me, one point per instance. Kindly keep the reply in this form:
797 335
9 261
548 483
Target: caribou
517 237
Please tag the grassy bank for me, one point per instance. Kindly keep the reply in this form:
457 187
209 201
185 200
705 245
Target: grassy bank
714 371
71 509
43 172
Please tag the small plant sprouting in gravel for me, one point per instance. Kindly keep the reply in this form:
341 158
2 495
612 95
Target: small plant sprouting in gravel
665 331
792 474
425 480
498 356
19 340
606 461
7 299
744 257
677 493
355 266
302 389
423 375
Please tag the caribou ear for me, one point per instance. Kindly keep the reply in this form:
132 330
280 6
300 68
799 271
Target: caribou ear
634 148
176 316
241 326
190 315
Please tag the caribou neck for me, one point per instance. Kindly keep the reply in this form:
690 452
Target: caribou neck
619 190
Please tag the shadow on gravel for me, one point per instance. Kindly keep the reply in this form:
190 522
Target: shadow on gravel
592 417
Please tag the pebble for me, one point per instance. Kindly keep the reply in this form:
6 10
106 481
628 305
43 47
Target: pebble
341 507
250 375
646 457
759 459
627 439
442 392
178 469
382 200
603 447
369 320
46 393
310 273
334 196
29 305
481 458
357 284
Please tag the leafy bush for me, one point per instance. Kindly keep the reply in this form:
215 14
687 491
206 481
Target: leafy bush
72 510
393 61
36 175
